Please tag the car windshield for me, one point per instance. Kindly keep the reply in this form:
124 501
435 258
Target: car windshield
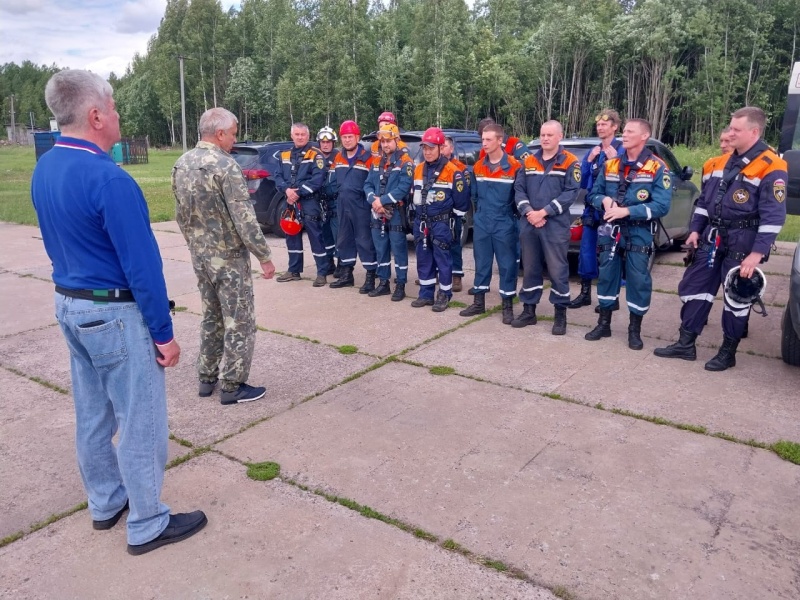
246 157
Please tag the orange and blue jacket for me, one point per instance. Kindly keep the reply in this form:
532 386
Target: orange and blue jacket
448 192
399 173
553 189
757 193
493 187
351 173
309 171
649 193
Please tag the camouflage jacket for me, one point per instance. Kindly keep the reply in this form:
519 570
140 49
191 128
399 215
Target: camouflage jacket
213 207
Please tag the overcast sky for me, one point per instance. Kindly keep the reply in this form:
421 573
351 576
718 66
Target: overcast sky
99 35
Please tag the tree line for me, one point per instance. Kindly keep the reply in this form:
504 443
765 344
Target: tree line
685 65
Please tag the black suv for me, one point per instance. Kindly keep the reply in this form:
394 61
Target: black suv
259 160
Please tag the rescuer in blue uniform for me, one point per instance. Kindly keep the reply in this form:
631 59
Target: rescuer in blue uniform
634 190
326 138
739 214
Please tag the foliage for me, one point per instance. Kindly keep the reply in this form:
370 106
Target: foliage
683 64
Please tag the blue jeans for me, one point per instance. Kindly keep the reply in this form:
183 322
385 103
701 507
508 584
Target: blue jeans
117 384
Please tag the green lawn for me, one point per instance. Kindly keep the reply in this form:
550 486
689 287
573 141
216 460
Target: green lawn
17 162
16 167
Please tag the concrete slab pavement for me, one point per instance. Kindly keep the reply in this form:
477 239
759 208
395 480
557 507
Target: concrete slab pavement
572 496
263 540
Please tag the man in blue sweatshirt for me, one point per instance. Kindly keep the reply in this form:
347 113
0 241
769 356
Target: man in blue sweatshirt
112 306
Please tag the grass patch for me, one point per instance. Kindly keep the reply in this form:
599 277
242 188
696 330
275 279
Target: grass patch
456 304
561 592
347 349
179 460
425 535
11 538
441 370
182 442
180 309
15 183
497 565
263 471
57 517
787 450
454 546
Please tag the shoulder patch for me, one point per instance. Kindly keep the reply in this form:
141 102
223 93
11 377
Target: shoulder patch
460 186
779 190
576 174
409 169
666 181
320 162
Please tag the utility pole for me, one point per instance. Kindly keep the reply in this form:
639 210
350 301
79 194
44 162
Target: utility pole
13 124
183 107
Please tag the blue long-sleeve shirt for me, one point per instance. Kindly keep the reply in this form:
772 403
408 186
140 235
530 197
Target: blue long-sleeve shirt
96 229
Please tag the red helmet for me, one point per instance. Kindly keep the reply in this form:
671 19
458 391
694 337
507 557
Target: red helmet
349 128
433 136
290 221
387 117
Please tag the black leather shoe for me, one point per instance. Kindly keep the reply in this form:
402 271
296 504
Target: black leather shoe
109 523
179 528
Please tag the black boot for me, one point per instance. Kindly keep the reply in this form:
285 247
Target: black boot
441 303
746 331
369 283
614 306
399 292
383 289
560 321
684 348
585 297
635 332
526 317
346 279
603 328
508 311
339 270
726 357
478 306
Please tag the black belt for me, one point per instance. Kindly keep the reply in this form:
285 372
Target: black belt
740 256
115 295
737 224
439 217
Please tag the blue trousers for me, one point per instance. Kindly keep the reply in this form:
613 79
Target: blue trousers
117 385
587 256
312 224
354 237
496 238
390 239
639 284
540 246
432 257
330 229
697 289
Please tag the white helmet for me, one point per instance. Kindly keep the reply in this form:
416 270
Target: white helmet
327 134
741 292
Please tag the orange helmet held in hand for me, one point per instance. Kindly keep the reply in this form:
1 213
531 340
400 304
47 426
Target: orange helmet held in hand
291 222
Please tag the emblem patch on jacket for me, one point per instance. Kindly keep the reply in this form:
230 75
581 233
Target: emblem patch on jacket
741 196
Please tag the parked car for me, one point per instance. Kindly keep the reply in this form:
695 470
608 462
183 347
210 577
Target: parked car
259 161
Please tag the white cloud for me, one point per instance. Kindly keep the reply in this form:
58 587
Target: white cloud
100 35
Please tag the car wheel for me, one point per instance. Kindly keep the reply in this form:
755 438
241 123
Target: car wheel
790 343
274 215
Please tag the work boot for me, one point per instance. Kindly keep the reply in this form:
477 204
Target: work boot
288 276
603 328
442 300
346 280
420 302
399 292
526 317
320 281
635 332
726 357
339 270
585 296
614 306
508 310
560 321
478 306
206 387
369 283
383 289
456 283
684 348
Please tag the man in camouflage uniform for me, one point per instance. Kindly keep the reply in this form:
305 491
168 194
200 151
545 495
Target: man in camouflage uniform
216 217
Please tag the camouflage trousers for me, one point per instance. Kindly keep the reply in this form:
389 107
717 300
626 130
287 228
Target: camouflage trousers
228 328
